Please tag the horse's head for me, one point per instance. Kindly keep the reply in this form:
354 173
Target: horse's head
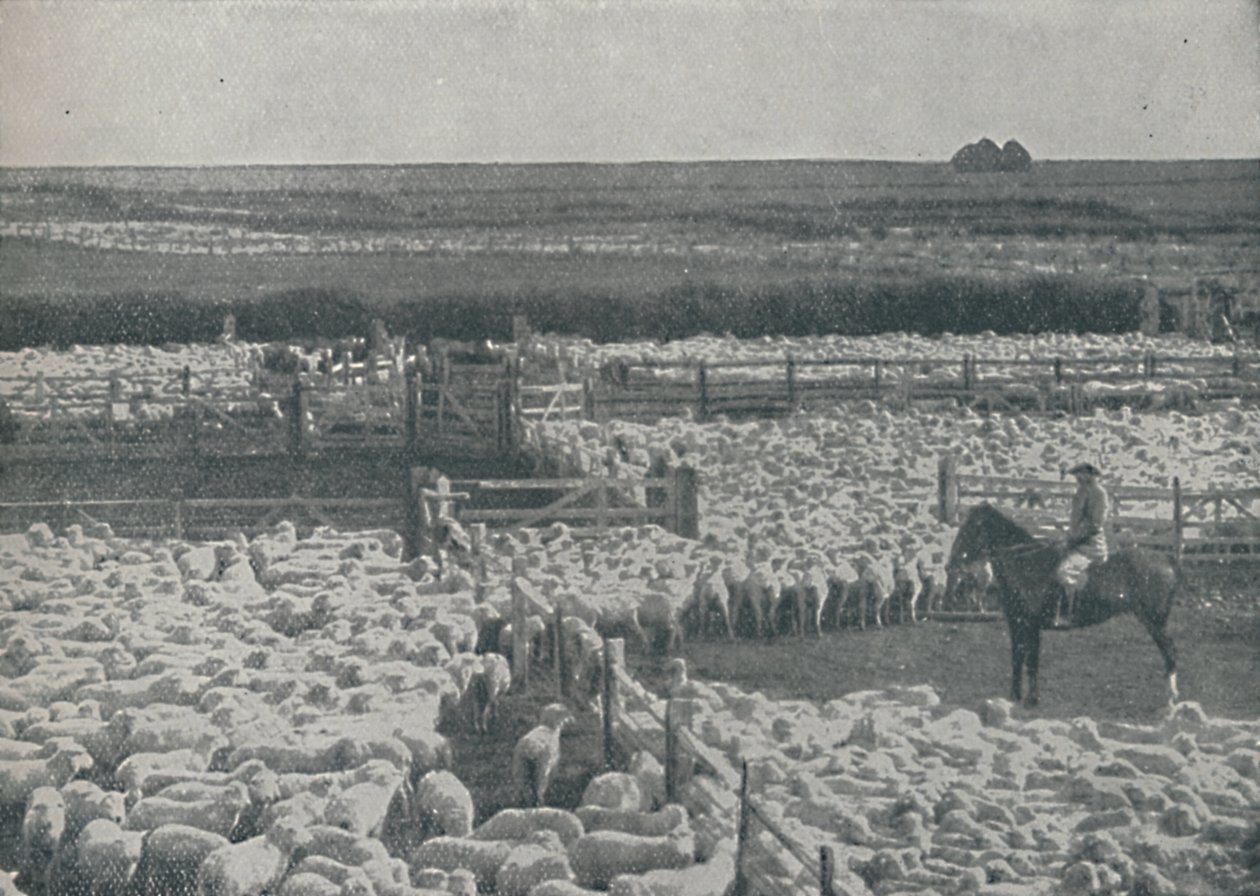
984 529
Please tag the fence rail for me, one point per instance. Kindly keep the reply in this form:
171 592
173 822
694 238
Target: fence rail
647 389
1196 526
632 720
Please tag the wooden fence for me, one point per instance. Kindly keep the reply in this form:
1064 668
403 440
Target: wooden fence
1209 526
652 390
588 505
633 722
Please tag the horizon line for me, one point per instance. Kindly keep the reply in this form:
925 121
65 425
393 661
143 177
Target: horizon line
593 164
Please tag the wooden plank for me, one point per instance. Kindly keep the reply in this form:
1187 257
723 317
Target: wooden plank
524 517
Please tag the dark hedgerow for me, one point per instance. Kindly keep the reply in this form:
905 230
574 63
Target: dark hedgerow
793 308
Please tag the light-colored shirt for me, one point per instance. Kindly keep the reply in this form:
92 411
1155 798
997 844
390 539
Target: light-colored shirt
1089 512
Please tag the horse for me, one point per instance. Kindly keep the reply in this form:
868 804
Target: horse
1130 580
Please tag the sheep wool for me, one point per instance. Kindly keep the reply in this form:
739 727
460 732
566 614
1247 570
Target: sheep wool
600 856
614 790
442 805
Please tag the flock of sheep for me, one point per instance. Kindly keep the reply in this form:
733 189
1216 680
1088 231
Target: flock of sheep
261 717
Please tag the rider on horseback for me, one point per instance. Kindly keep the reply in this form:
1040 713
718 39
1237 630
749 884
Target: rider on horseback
1086 537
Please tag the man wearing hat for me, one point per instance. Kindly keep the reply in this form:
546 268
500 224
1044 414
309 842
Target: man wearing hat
1086 536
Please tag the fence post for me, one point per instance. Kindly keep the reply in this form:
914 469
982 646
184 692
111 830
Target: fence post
346 360
947 488
1150 311
791 381
671 752
41 387
1177 520
686 503
297 418
559 657
411 404
115 386
588 398
414 541
185 381
826 871
177 500
702 386
514 408
739 887
614 659
966 373
520 632
1058 371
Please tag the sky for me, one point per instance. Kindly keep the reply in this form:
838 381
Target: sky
176 82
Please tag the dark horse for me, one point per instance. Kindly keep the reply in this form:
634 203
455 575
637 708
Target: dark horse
1135 581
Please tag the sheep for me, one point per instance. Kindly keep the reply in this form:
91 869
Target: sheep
614 790
600 856
344 846
518 824
133 773
362 808
482 857
876 584
713 595
442 805
643 824
842 581
713 878
907 587
680 687
20 777
488 687
86 801
249 868
43 826
170 857
650 774
810 588
531 863
307 883
218 813
537 753
101 860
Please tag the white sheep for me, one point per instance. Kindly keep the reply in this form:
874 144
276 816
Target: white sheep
537 754
614 790
442 805
43 825
643 824
249 868
713 595
20 777
810 588
519 824
101 860
600 856
907 586
218 813
482 857
344 846
170 857
362 808
876 581
488 687
529 864
86 801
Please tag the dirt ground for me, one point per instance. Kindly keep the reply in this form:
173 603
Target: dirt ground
1112 670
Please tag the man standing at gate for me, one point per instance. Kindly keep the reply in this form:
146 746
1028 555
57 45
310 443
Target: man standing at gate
1086 536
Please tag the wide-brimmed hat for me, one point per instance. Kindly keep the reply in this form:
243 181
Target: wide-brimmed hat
1085 468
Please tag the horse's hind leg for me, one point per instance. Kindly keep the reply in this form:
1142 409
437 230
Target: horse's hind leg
1169 651
1034 662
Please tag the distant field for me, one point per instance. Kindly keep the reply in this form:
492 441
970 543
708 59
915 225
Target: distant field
580 235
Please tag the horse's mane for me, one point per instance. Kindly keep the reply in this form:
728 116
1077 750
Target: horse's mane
1009 529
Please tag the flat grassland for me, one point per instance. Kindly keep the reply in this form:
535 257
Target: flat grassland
402 233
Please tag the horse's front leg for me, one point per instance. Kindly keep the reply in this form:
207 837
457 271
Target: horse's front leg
1017 665
1034 661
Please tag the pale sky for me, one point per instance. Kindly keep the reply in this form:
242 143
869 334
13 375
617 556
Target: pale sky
169 82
